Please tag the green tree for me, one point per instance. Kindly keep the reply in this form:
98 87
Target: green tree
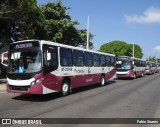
23 19
82 39
137 51
32 23
121 48
153 59
20 19
7 13
60 27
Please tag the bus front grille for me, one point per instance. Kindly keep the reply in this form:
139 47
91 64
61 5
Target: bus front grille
19 88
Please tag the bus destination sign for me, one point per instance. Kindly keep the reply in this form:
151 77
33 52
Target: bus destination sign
25 45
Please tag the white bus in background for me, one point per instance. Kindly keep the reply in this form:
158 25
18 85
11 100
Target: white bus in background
42 67
128 67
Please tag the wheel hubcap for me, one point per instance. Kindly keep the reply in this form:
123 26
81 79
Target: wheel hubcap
102 81
65 88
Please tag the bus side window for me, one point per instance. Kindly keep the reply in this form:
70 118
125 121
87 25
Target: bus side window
78 58
102 61
88 60
108 61
66 57
112 61
96 60
136 62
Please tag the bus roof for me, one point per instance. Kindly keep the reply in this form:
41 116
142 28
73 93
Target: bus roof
130 58
65 46
76 48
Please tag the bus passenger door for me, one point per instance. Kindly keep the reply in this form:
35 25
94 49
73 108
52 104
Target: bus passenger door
50 64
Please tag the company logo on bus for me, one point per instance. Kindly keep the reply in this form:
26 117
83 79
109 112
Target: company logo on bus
66 69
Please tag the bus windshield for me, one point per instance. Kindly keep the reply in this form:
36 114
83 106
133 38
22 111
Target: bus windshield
124 65
25 61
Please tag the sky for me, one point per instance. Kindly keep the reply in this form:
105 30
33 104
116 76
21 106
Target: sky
132 21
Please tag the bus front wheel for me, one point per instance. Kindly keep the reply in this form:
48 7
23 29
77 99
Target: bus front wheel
142 74
102 80
65 89
134 76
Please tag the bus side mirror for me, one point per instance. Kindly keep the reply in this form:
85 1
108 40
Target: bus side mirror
48 56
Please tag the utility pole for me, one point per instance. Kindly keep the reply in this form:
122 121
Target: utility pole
88 33
133 49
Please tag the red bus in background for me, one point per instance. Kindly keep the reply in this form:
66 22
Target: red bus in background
128 67
151 67
42 67
158 68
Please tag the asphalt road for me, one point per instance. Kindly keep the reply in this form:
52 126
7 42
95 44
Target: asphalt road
139 98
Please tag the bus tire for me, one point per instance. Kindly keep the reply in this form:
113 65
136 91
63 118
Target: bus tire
150 72
134 76
65 88
102 80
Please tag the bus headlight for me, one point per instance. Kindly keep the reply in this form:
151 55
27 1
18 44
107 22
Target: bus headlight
36 82
33 83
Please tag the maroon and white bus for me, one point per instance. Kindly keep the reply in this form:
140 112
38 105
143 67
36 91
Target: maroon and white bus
42 67
128 67
150 67
157 67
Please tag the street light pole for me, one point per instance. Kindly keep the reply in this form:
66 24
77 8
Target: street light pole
133 49
88 33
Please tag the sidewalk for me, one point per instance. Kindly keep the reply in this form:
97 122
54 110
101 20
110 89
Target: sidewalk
2 85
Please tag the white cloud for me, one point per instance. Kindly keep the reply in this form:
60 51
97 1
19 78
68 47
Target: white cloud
157 49
151 15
